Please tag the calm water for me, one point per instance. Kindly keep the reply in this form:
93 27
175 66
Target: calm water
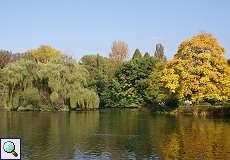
116 135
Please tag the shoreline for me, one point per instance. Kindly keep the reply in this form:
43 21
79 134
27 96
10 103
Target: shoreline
197 111
77 110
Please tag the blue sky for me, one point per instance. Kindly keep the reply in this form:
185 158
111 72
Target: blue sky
79 27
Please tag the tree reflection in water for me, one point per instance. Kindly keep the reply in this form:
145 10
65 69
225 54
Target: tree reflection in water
124 134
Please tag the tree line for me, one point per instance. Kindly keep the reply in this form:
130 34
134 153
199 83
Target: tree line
47 79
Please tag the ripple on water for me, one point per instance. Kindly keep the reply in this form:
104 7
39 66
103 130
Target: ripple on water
112 135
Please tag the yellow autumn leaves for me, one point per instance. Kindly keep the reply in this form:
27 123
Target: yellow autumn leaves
199 71
43 54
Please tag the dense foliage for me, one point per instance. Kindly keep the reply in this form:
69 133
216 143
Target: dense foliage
46 79
128 88
100 70
199 71
54 85
43 54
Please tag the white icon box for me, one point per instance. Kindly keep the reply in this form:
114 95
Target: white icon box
10 148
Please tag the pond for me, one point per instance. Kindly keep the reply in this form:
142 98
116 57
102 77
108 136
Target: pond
116 134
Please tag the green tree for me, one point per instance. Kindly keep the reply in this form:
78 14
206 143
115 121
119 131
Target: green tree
128 88
156 91
146 55
55 85
96 65
100 72
68 83
16 78
137 54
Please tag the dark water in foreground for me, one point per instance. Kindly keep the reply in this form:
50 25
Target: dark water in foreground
116 135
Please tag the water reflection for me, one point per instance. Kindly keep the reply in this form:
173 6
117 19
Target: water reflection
116 135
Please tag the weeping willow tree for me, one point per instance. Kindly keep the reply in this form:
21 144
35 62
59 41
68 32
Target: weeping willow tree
17 79
54 85
67 84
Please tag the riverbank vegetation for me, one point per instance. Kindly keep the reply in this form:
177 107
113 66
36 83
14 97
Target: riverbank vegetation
47 79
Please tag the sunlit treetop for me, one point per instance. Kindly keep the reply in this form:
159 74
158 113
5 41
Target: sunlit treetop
199 70
43 54
203 43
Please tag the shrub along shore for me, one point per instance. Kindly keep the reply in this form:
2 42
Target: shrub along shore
197 110
45 79
203 111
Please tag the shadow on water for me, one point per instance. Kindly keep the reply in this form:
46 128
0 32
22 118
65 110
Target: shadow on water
112 134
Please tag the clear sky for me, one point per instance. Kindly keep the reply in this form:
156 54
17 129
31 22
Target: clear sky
79 27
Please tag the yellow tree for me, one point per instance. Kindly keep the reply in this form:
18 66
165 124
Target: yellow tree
199 71
43 54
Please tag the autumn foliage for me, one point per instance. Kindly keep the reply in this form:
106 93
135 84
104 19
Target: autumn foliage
199 71
43 54
46 79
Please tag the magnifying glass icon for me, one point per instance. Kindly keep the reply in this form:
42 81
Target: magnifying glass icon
9 147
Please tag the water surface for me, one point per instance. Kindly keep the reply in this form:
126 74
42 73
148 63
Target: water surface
112 134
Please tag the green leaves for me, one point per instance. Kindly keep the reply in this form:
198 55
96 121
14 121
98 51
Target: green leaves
128 89
156 91
54 97
55 84
137 54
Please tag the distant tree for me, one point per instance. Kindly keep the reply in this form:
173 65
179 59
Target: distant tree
4 58
15 57
137 54
119 51
159 53
43 54
147 54
199 71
